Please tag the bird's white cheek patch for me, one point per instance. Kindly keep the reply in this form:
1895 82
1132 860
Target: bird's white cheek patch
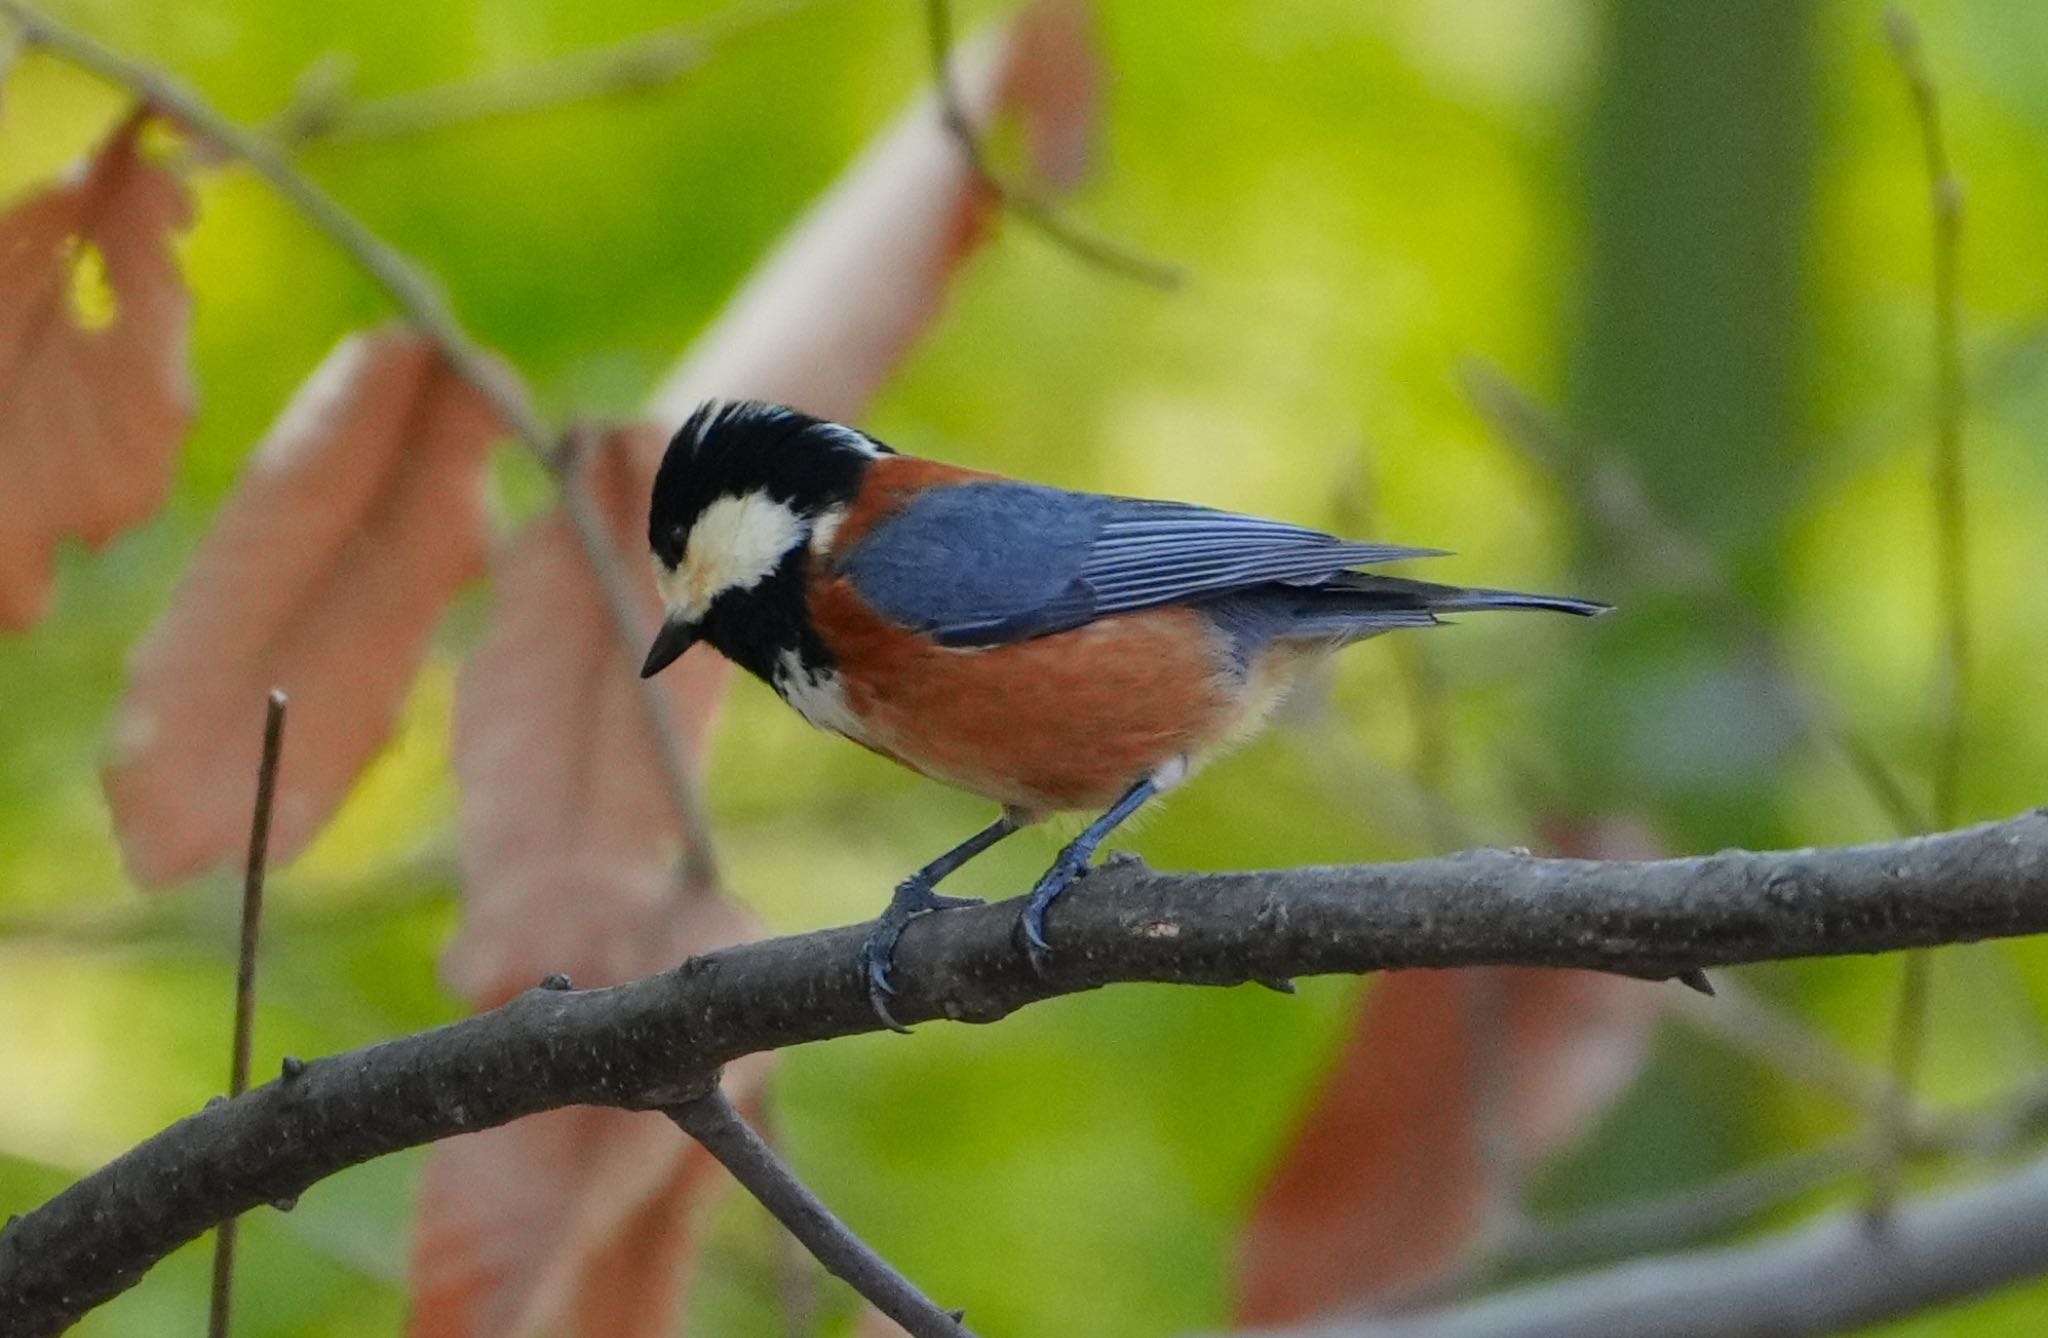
735 544
818 696
825 530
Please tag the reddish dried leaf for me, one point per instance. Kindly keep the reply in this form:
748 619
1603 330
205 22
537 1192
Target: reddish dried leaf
95 394
1384 1184
575 1221
324 574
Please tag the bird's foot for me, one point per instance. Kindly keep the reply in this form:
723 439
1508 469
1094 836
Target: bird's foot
914 897
1064 873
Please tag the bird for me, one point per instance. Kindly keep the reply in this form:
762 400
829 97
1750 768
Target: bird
1046 649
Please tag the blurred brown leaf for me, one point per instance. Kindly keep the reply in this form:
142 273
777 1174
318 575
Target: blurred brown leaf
324 574
577 1222
95 391
1384 1185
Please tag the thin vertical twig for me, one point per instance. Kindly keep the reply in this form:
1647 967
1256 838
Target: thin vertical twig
220 1311
1025 203
1951 531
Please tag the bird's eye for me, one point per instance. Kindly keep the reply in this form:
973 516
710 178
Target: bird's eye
668 546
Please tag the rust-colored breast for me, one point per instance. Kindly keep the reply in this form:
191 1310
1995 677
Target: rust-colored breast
1059 722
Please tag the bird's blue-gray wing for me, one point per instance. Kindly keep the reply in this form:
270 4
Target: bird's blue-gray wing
982 564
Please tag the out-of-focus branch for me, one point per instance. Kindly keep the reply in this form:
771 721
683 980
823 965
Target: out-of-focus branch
1687 1216
1021 200
427 311
712 1121
1831 1276
322 112
655 1043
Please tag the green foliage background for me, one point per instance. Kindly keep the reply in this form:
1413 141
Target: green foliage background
1702 229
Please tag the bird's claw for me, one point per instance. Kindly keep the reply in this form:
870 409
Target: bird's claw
878 954
1064 873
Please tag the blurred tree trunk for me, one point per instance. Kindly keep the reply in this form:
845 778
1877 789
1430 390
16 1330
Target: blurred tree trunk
1688 367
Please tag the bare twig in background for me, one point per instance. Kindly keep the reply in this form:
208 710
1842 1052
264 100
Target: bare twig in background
1945 195
221 1306
1614 498
322 112
655 1043
700 860
712 1121
428 312
1951 529
1020 200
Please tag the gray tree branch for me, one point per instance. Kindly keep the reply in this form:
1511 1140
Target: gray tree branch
1828 1277
712 1121
653 1043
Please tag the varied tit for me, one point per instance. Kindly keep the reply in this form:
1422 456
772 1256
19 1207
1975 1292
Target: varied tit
1048 650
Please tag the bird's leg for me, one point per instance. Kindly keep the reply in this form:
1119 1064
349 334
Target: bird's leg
1070 865
914 896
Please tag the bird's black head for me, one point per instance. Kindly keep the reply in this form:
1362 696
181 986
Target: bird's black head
741 493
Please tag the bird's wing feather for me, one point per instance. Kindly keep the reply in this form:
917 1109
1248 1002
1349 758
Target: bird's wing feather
1150 553
986 563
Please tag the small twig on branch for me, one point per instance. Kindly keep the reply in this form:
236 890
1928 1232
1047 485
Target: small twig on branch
429 313
1952 648
1020 200
323 113
654 1043
221 1306
712 1121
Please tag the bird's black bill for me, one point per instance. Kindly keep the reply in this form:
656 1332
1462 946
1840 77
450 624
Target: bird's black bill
669 644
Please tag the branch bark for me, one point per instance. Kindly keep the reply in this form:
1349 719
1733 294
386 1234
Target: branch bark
712 1121
654 1043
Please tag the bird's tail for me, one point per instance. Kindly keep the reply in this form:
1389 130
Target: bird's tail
1360 604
